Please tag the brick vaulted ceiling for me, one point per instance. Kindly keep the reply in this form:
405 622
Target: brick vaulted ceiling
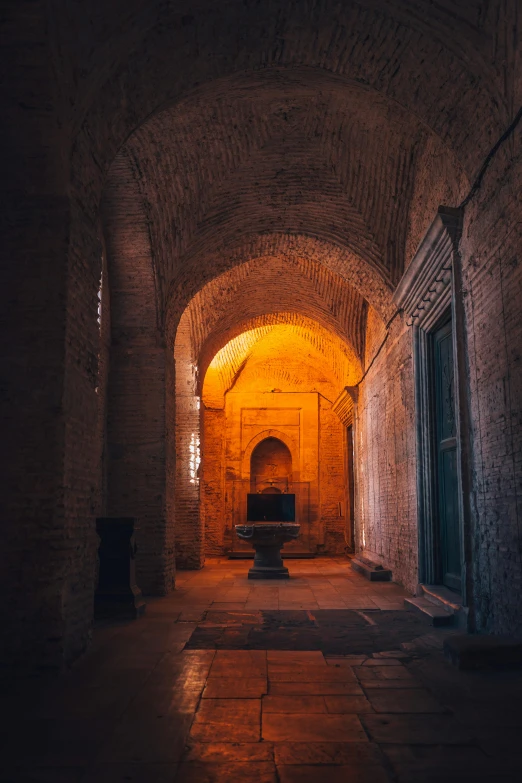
231 313
325 130
285 350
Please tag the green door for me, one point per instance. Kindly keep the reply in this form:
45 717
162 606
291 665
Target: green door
446 454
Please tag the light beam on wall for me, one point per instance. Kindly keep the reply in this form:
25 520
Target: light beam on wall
194 458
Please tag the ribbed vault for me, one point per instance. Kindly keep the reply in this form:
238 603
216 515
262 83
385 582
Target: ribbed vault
261 288
301 154
279 348
437 61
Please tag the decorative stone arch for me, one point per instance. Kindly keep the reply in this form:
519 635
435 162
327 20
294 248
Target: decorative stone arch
292 445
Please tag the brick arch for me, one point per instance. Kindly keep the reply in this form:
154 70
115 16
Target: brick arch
342 270
341 364
452 52
307 154
291 444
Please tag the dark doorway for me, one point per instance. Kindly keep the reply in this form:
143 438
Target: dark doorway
449 547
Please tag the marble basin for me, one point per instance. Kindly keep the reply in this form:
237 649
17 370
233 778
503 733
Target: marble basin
268 538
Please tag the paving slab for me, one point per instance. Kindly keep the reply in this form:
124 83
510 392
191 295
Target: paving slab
231 772
404 701
239 664
347 704
308 728
293 704
224 752
240 688
227 720
347 774
322 688
327 753
309 673
416 729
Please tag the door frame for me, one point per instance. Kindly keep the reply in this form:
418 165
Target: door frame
429 292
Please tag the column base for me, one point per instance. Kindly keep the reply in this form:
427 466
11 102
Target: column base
260 572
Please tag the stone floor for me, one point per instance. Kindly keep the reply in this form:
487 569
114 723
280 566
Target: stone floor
174 696
321 583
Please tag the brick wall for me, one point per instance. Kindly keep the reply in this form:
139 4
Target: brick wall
332 478
386 514
491 250
136 424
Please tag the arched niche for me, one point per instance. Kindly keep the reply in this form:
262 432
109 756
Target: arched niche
270 466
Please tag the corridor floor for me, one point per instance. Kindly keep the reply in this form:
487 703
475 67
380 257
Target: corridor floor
324 678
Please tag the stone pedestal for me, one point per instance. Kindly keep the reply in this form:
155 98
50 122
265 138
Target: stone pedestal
117 595
268 538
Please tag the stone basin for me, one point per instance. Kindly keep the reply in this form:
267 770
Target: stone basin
268 538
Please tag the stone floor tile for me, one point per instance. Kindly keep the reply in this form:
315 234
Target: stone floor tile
193 614
224 752
382 662
308 728
345 660
399 654
293 704
327 753
131 773
295 656
314 688
227 720
369 674
239 664
231 772
309 673
347 704
348 774
408 700
416 729
235 688
229 606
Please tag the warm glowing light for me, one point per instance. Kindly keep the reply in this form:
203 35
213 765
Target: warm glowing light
194 458
99 318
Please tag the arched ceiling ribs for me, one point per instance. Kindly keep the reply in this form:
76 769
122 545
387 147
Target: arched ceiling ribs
293 351
442 64
263 287
342 271
336 162
343 363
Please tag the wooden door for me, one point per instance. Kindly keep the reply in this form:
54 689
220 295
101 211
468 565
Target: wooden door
449 545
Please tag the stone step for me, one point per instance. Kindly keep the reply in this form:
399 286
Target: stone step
435 615
442 596
372 571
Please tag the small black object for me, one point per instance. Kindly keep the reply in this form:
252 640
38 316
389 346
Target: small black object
117 595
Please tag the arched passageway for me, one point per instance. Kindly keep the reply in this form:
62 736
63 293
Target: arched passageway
231 173
260 247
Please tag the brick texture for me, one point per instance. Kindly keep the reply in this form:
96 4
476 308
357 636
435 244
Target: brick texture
312 140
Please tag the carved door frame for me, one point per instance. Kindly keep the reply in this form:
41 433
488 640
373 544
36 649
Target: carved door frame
430 292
